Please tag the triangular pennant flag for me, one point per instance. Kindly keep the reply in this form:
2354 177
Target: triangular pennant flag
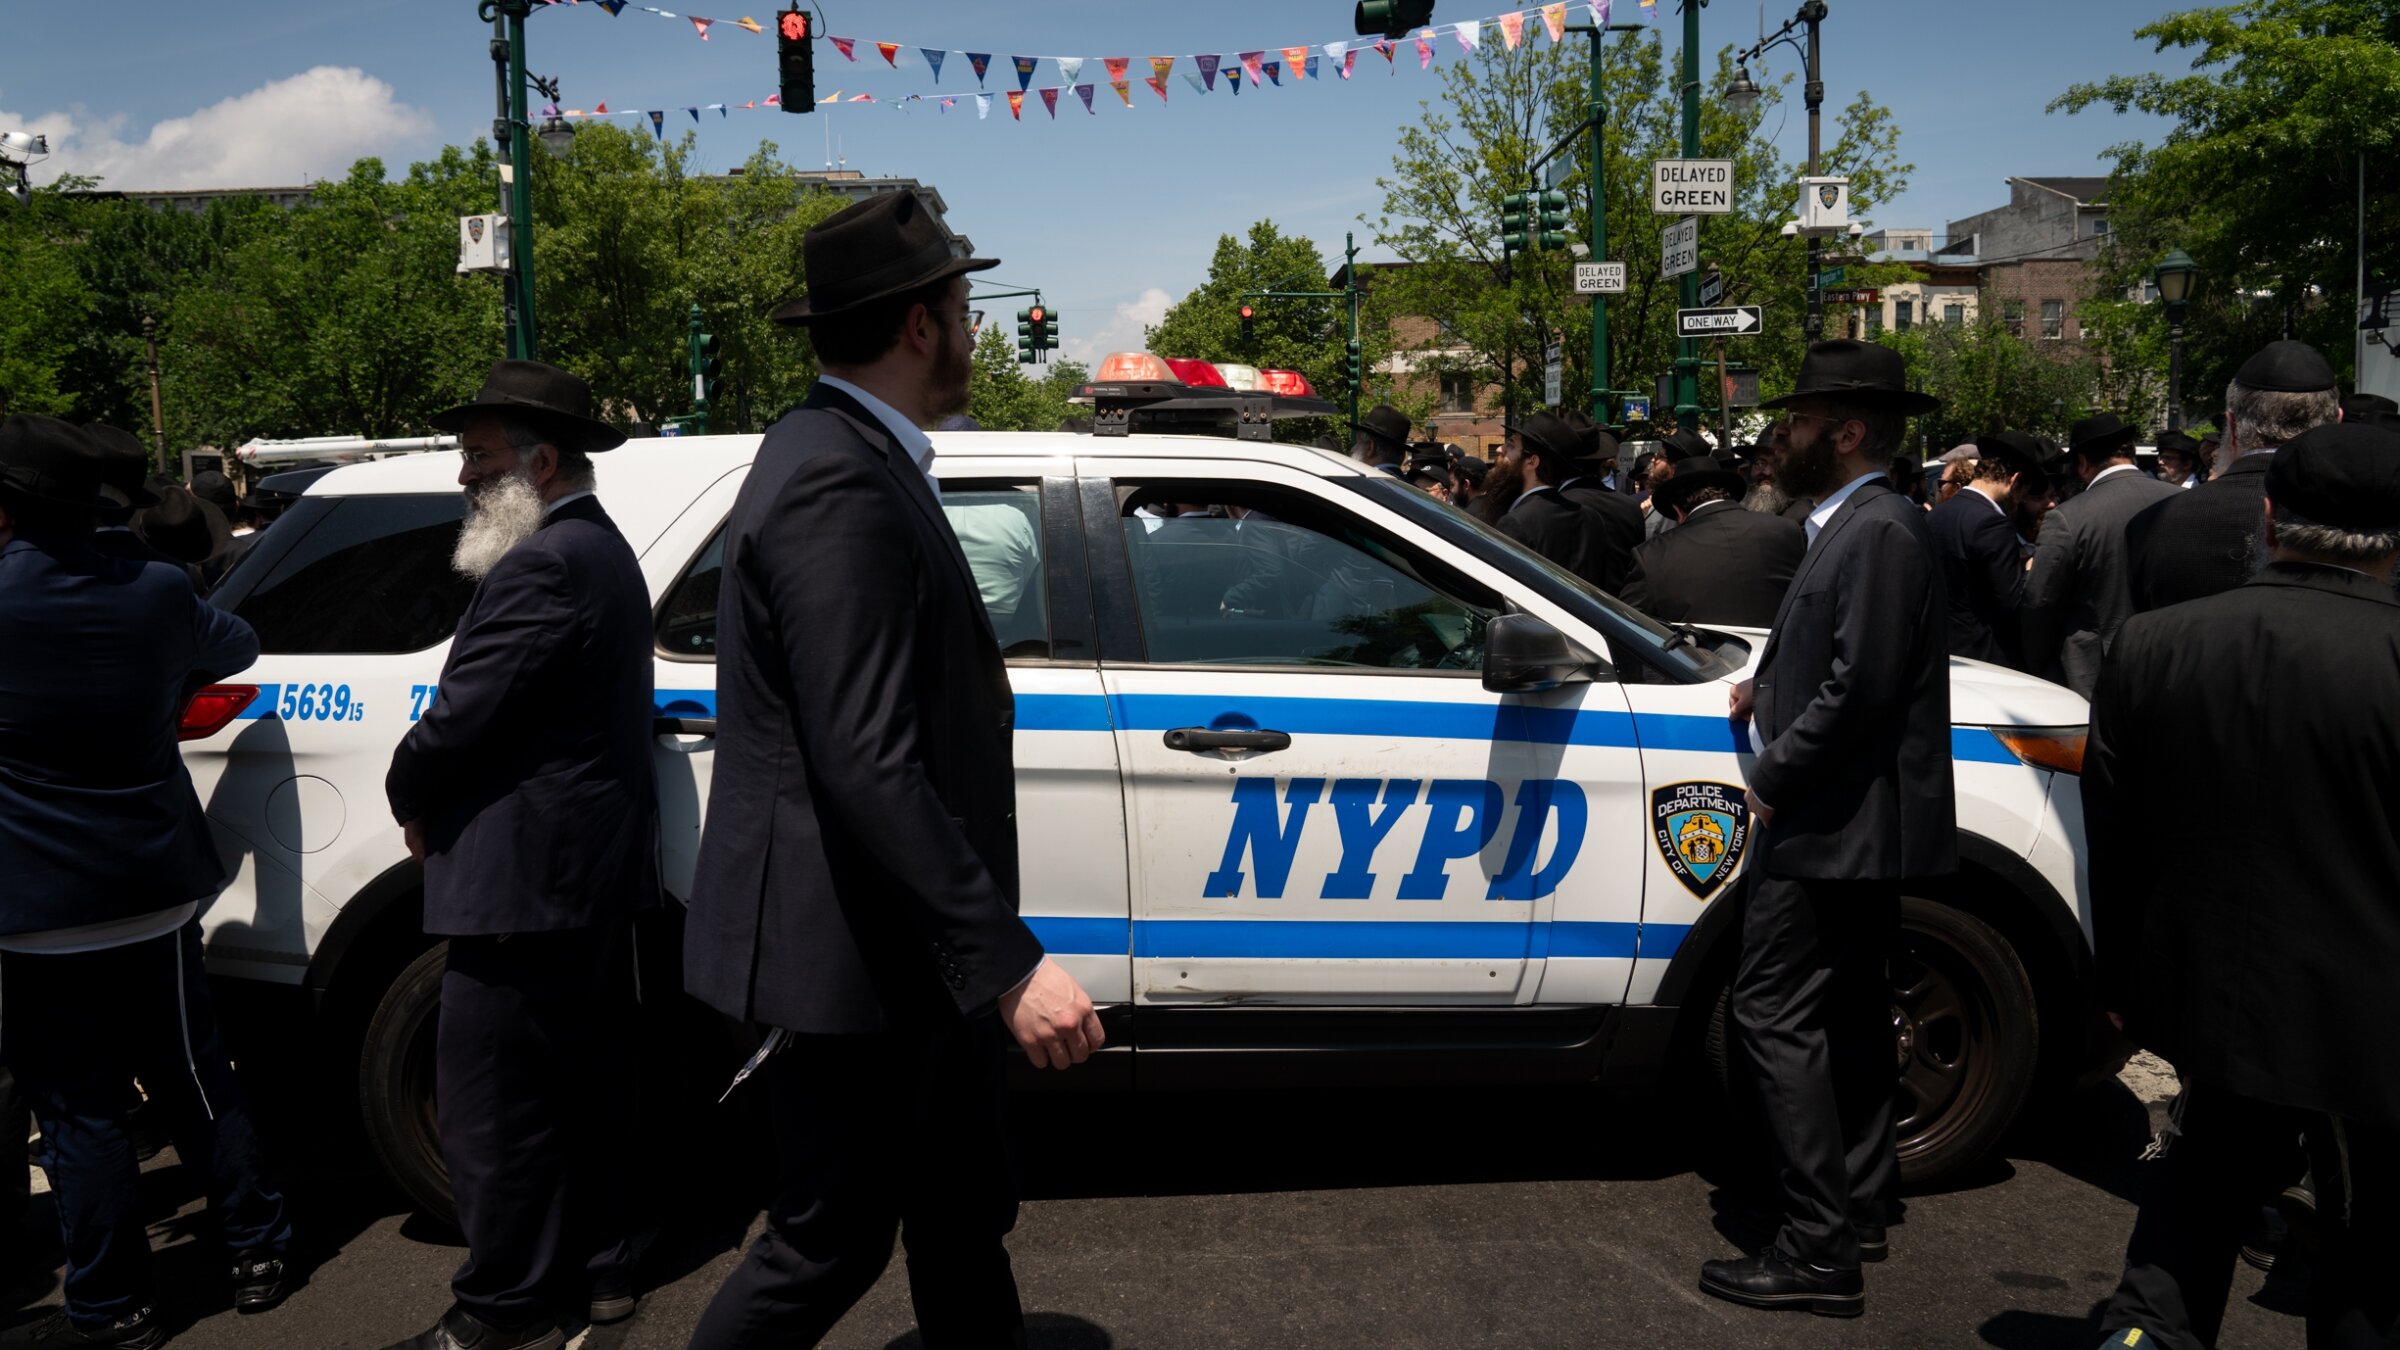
948 104
1295 60
834 97
1016 104
1424 49
891 53
752 105
1273 70
1084 92
1233 78
933 58
1162 66
575 112
1349 63
1194 81
1599 13
1158 86
747 22
1310 73
1116 67
846 47
701 26
722 114
1554 18
600 109
862 98
614 7
695 112
1385 47
1025 65
772 100
1250 63
1207 62
1050 101
1334 50
1070 69
1512 28
1652 6
982 61
550 110
1124 91
983 106
1470 32
658 122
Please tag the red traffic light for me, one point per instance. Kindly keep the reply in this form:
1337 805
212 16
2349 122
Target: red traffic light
795 24
1245 311
1034 314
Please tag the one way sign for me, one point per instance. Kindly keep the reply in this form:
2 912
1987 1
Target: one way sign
1729 321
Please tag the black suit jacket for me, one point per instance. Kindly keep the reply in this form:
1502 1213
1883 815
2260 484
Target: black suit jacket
98 820
2081 588
858 871
2198 542
1853 703
1984 575
1722 565
1620 519
2256 952
532 768
1565 532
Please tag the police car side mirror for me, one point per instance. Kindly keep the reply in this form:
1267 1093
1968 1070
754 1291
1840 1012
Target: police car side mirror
1525 655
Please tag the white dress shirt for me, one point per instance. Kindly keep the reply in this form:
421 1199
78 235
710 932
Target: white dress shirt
1826 508
911 437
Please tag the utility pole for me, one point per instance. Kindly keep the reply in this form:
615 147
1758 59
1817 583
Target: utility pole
1687 350
512 131
1348 292
1812 12
158 415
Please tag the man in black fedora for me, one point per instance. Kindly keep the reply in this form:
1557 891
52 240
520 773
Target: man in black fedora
1975 535
1849 711
2081 588
2179 460
106 859
1380 438
1591 484
856 894
2201 542
527 790
1536 458
1721 564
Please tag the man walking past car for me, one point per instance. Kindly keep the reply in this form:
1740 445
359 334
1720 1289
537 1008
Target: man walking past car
2256 955
1975 536
1850 793
527 790
856 893
2081 590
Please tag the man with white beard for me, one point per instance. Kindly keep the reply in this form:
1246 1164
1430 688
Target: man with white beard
527 791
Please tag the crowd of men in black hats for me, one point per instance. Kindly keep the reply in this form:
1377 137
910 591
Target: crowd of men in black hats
856 888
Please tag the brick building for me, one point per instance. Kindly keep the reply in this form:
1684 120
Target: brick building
2036 254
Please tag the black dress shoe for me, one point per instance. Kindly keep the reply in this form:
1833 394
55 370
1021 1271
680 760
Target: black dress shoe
610 1303
463 1330
136 1330
1872 1245
257 1280
1773 1280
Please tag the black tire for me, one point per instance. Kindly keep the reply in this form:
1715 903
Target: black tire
395 1084
1967 1039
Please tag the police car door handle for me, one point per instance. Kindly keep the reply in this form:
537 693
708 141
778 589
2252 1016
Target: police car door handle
1201 739
683 726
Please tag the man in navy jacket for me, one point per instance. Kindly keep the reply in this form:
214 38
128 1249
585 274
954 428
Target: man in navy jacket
106 860
528 791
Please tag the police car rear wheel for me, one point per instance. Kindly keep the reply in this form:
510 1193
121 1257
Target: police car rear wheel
1966 1038
395 1084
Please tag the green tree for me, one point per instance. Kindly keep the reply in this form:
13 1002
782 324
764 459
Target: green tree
1002 397
1990 380
2288 102
1309 336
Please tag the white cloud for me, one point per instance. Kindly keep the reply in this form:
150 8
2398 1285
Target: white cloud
308 126
1122 332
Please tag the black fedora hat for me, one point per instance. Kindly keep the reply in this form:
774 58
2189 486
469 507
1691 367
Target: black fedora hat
1684 443
1671 494
2021 452
55 461
1598 451
126 464
1386 424
2177 443
882 246
559 403
182 526
1552 435
1865 372
2100 432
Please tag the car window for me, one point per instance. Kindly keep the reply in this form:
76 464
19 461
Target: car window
998 528
355 574
1237 573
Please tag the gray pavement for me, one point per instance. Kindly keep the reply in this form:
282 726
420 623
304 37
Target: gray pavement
1367 1219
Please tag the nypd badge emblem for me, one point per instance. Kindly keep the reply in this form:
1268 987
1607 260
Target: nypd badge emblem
1702 831
475 228
1827 195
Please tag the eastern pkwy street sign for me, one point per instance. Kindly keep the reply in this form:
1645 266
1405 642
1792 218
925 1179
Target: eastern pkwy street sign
1729 321
1599 278
1679 248
1682 187
1867 296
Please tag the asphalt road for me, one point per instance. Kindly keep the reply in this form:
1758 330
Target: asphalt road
1387 1219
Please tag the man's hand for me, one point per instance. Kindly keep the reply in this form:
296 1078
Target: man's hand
414 832
1052 1018
1759 811
1743 699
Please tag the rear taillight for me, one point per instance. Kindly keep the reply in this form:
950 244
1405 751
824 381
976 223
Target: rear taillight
1290 383
1199 374
213 709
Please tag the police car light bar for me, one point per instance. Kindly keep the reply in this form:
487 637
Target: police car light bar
1138 382
340 448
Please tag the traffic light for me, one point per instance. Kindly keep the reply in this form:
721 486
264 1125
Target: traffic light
1029 335
795 63
1516 222
1553 220
1354 367
706 366
1049 318
1249 335
1392 18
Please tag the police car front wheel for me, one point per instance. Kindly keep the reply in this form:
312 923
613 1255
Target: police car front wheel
396 1083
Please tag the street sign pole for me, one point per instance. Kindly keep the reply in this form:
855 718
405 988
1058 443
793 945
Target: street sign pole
1600 235
1687 358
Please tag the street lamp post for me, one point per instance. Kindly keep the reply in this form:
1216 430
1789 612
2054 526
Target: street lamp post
1743 93
557 134
513 131
2175 276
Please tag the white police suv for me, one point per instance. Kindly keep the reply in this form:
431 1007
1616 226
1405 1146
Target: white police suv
1319 779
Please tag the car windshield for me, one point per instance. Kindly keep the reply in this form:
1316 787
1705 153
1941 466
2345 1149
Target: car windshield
1680 652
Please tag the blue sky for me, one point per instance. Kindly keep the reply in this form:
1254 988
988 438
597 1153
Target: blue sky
1113 214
